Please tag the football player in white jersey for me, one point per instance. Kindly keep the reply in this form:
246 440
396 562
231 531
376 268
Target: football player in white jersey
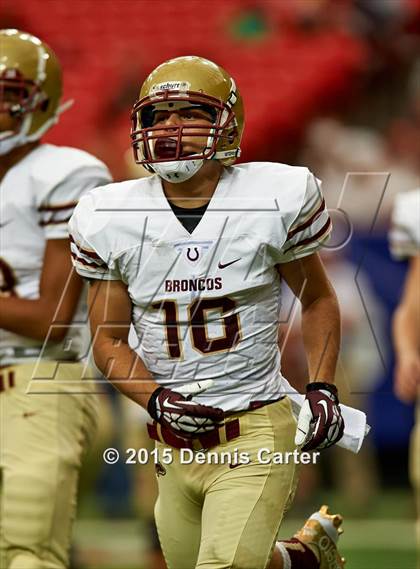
193 258
43 435
405 244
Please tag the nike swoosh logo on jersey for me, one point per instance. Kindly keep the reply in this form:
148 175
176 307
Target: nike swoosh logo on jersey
5 223
224 265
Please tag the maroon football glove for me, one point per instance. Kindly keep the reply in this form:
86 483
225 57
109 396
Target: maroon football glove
185 417
320 424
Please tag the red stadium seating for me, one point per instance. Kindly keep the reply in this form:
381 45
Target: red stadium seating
286 75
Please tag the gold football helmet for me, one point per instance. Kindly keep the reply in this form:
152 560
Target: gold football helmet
187 81
30 87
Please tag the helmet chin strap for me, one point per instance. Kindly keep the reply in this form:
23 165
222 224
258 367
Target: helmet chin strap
177 171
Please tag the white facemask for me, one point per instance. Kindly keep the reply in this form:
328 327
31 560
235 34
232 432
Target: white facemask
10 140
177 171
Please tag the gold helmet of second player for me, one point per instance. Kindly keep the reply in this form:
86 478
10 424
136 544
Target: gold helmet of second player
30 87
194 82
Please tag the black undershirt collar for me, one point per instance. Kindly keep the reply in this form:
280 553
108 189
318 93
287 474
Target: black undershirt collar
189 217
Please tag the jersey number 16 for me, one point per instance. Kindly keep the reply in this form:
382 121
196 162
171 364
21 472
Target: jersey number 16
198 326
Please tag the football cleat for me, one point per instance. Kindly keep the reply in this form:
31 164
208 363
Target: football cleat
320 533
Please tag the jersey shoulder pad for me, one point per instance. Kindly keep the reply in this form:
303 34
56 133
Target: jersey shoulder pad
122 196
98 220
51 165
280 186
291 200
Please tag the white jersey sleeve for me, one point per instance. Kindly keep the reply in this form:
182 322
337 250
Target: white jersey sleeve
311 227
38 195
63 176
88 243
404 236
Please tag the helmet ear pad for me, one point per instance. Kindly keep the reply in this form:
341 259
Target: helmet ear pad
232 135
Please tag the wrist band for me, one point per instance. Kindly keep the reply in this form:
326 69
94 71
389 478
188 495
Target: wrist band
316 385
151 405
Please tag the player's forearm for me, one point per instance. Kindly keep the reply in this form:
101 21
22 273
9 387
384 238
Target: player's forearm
406 332
406 323
29 318
124 369
321 336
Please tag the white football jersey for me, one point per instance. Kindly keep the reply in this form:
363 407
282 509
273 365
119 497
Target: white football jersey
205 304
405 229
37 198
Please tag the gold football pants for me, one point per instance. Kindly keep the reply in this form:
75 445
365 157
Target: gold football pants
415 473
213 516
43 439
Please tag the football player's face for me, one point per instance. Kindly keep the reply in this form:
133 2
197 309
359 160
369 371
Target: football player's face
7 123
187 116
9 98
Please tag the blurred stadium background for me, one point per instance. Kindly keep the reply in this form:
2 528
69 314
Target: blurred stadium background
332 84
